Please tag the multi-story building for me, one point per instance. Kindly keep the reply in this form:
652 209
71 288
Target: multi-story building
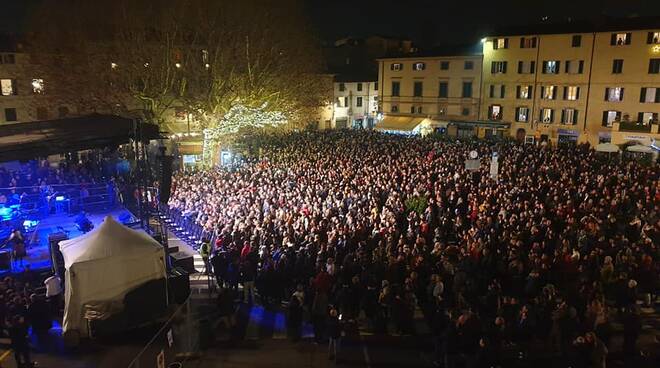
355 102
434 91
575 83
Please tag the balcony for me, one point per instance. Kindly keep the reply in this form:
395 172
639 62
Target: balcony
633 126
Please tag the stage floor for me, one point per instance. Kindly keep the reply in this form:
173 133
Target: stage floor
38 255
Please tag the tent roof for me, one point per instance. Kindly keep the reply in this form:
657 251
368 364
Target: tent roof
110 239
399 123
19 141
607 147
640 148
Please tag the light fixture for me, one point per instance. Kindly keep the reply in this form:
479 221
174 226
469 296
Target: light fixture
656 49
113 65
146 65
178 65
483 40
207 65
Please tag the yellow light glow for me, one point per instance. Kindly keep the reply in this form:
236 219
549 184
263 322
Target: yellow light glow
178 65
656 49
113 65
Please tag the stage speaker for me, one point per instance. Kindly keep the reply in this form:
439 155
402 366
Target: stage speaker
56 259
179 285
5 260
184 261
165 179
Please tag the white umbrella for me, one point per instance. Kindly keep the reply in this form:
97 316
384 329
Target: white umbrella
640 148
607 147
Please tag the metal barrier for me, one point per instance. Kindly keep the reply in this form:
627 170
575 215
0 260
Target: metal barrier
176 342
186 228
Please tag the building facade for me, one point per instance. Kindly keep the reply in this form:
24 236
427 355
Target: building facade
444 90
355 103
576 86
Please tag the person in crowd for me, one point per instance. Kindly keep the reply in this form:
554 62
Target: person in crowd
54 293
205 253
18 335
334 330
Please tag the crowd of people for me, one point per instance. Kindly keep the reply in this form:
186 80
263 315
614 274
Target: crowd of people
373 227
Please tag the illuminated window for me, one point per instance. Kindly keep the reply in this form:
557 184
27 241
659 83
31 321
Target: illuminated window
547 115
610 116
396 66
8 87
524 92
650 95
495 112
522 114
614 94
498 67
38 86
569 116
571 93
549 92
551 67
647 118
419 66
619 39
653 38
500 43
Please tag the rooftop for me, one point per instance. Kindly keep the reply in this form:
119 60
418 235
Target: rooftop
602 24
442 50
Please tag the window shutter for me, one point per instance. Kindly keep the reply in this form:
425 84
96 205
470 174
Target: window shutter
492 90
517 92
577 93
520 67
657 94
640 117
541 115
604 117
495 44
628 38
529 92
563 116
534 42
532 67
613 39
566 66
554 93
504 67
552 116
565 92
502 91
575 117
618 115
545 66
517 113
492 68
581 66
642 95
490 112
649 38
542 92
558 68
522 42
506 43
621 95
607 93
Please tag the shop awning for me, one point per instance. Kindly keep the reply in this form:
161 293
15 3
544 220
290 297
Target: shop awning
399 123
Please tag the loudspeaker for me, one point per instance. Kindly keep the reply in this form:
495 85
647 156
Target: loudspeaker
184 261
165 179
179 285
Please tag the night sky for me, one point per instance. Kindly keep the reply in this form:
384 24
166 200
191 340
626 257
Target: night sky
427 22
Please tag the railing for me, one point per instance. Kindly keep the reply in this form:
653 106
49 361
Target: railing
632 126
185 227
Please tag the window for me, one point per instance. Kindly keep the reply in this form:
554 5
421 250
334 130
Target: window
495 112
467 89
574 66
415 109
443 90
576 41
524 92
8 59
396 66
468 65
10 114
444 65
569 116
619 39
394 108
547 115
654 66
442 110
549 92
527 42
418 88
38 86
498 67
500 43
42 113
653 38
614 94
465 111
551 67
526 67
396 89
8 87
497 91
647 117
376 86
522 114
359 87
617 66
419 66
610 116
649 94
342 101
358 101
571 93
342 87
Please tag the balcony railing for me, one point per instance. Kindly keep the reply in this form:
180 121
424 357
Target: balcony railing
633 126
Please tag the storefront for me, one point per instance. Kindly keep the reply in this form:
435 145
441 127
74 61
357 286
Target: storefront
567 137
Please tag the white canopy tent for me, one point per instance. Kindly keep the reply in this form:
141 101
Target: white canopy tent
640 148
607 147
103 265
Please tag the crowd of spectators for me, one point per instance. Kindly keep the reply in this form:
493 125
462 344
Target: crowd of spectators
560 245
